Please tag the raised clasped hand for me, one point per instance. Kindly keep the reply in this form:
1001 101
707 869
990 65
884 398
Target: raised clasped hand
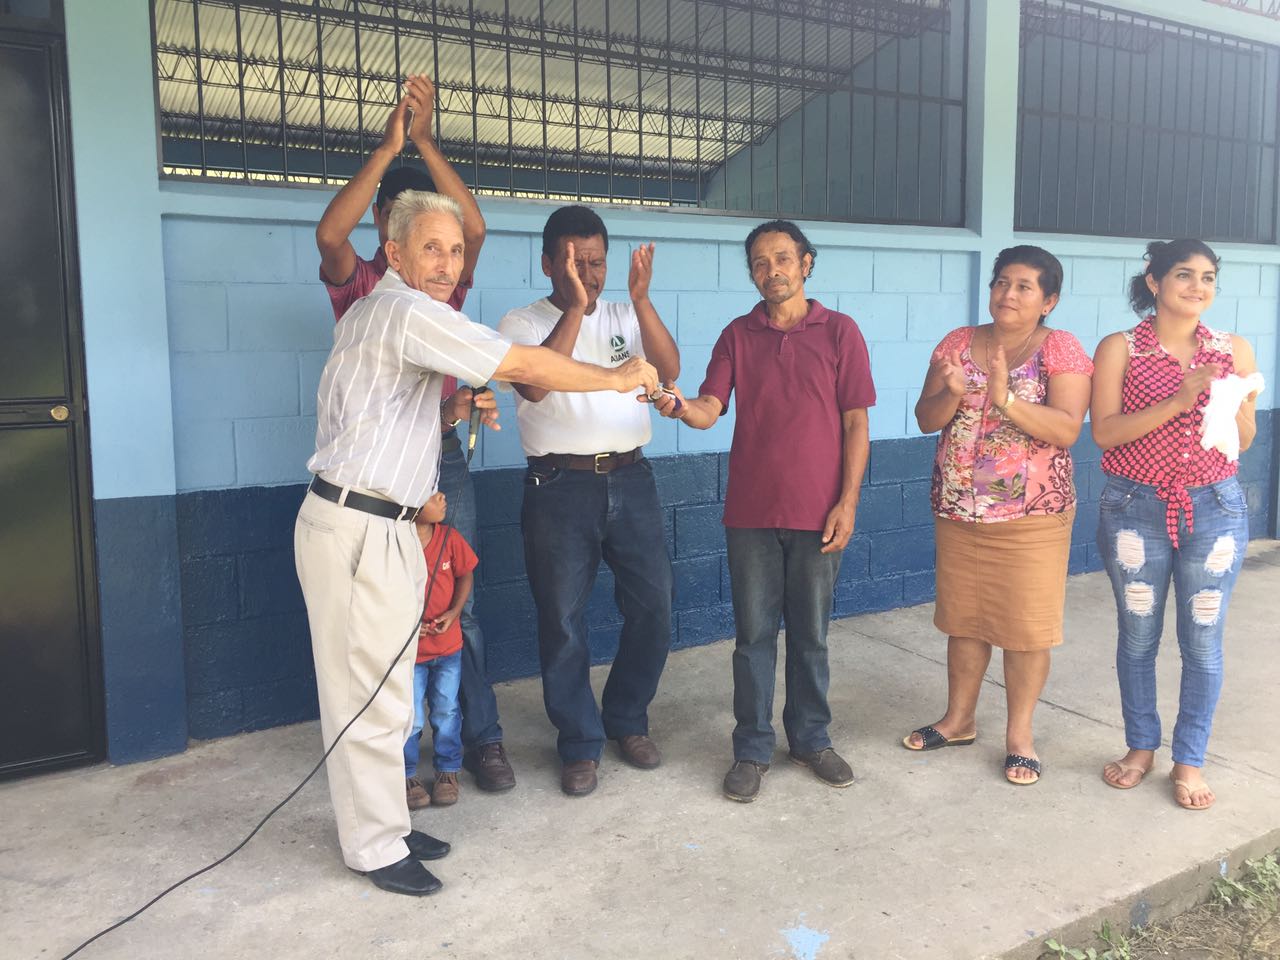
393 135
421 94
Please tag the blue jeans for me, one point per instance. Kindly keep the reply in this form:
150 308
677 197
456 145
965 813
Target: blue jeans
774 574
1141 560
571 519
479 705
436 682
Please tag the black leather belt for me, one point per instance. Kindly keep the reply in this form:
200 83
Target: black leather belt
595 462
359 501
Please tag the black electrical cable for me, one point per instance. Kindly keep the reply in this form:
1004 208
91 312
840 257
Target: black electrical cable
292 793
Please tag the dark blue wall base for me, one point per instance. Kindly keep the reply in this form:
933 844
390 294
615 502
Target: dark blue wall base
248 651
248 660
141 610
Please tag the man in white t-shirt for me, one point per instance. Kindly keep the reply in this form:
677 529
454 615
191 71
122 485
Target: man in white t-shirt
590 495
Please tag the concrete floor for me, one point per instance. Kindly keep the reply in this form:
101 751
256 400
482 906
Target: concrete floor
926 856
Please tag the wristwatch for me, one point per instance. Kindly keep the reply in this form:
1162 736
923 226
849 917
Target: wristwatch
451 424
1010 397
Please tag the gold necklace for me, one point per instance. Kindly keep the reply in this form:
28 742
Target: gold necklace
1018 357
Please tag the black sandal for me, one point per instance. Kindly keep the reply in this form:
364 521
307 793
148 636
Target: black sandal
1013 761
931 739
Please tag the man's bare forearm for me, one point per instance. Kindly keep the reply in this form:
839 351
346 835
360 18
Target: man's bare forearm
541 367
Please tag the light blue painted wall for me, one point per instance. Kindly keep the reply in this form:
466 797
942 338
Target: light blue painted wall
250 326
113 132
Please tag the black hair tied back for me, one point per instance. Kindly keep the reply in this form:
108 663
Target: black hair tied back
1162 256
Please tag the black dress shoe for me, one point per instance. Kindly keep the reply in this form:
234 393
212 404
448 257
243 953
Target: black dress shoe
405 876
423 846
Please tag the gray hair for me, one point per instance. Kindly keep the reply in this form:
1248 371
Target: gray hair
411 204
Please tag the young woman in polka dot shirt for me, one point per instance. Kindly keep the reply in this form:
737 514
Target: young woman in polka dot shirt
1170 509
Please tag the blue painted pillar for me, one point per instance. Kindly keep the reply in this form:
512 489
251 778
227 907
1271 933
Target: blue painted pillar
126 346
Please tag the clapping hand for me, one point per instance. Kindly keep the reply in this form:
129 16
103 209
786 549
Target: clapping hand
997 378
568 268
641 272
951 371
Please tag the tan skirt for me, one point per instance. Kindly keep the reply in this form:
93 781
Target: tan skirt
1004 583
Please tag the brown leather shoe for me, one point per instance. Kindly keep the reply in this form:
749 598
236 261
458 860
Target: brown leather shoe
578 778
444 792
827 765
416 794
742 782
639 751
489 765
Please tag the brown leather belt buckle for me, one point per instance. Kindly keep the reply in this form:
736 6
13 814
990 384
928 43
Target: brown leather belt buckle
599 457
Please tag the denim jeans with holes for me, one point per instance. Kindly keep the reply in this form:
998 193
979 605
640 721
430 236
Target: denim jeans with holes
1141 560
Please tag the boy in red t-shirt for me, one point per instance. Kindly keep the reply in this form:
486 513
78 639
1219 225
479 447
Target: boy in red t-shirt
439 665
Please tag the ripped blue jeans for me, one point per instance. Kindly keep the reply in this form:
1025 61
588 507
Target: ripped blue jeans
1141 560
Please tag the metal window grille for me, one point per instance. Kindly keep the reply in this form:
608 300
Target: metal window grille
1135 126
31 13
816 108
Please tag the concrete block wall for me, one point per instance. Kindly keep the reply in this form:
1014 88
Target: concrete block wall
250 327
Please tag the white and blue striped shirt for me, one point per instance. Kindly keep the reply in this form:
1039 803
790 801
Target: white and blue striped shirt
378 404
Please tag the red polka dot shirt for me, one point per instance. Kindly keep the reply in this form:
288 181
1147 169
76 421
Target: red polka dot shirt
1170 457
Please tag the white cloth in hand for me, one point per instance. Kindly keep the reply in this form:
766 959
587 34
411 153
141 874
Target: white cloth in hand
1218 428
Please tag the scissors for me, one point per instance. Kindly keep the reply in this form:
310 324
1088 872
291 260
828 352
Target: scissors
660 393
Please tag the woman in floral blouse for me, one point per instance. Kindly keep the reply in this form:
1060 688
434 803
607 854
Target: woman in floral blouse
1009 397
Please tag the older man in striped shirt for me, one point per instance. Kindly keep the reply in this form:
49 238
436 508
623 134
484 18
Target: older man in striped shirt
359 559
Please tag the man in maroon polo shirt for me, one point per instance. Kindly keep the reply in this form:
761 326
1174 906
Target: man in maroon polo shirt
348 277
800 447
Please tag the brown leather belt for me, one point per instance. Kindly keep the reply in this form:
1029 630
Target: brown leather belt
595 462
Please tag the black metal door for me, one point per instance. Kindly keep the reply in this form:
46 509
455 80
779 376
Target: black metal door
50 670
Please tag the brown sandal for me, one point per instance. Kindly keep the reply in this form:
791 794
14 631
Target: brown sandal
1125 770
1190 788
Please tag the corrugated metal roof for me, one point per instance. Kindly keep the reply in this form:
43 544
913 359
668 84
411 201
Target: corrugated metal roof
726 70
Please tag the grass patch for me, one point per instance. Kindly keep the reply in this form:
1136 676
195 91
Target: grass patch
1240 921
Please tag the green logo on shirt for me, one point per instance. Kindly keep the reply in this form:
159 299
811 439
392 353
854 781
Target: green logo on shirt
619 347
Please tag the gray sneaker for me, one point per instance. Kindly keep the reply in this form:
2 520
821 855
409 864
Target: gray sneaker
742 782
827 766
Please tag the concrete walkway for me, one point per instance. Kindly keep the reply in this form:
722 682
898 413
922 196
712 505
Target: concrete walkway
926 856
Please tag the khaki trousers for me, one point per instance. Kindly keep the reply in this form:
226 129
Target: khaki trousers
363 579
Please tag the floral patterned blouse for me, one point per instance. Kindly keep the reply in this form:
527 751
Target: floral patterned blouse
988 470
